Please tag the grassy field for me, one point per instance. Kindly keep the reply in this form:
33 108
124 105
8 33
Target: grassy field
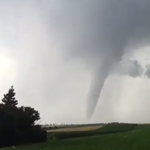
136 139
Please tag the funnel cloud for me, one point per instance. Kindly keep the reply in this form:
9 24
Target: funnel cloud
131 68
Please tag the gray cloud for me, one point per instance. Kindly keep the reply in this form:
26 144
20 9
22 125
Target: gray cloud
130 68
147 73
57 44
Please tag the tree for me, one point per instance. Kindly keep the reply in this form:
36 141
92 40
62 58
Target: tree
9 98
27 117
17 124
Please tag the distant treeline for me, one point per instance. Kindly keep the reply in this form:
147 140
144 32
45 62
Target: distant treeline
17 124
57 126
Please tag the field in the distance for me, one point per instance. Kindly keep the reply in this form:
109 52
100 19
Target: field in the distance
84 128
128 137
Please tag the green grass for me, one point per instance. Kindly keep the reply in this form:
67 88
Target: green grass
137 139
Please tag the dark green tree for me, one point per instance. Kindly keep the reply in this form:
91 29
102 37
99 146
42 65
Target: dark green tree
27 117
17 124
9 98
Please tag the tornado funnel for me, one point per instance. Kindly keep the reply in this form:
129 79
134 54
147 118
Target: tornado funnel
98 81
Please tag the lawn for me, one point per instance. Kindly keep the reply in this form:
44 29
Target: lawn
137 139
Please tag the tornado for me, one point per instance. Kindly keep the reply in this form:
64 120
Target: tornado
100 74
99 78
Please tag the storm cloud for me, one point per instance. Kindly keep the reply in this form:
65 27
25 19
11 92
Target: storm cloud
62 49
107 30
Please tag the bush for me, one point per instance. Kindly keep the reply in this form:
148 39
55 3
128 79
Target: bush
37 134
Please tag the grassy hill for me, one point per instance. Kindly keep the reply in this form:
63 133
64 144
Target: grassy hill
118 137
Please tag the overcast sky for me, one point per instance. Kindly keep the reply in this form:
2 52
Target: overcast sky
61 55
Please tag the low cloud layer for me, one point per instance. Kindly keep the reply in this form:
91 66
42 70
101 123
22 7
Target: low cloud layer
130 68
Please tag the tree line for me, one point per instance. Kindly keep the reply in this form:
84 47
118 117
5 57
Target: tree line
17 124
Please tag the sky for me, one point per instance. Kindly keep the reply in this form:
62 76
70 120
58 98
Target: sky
82 61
